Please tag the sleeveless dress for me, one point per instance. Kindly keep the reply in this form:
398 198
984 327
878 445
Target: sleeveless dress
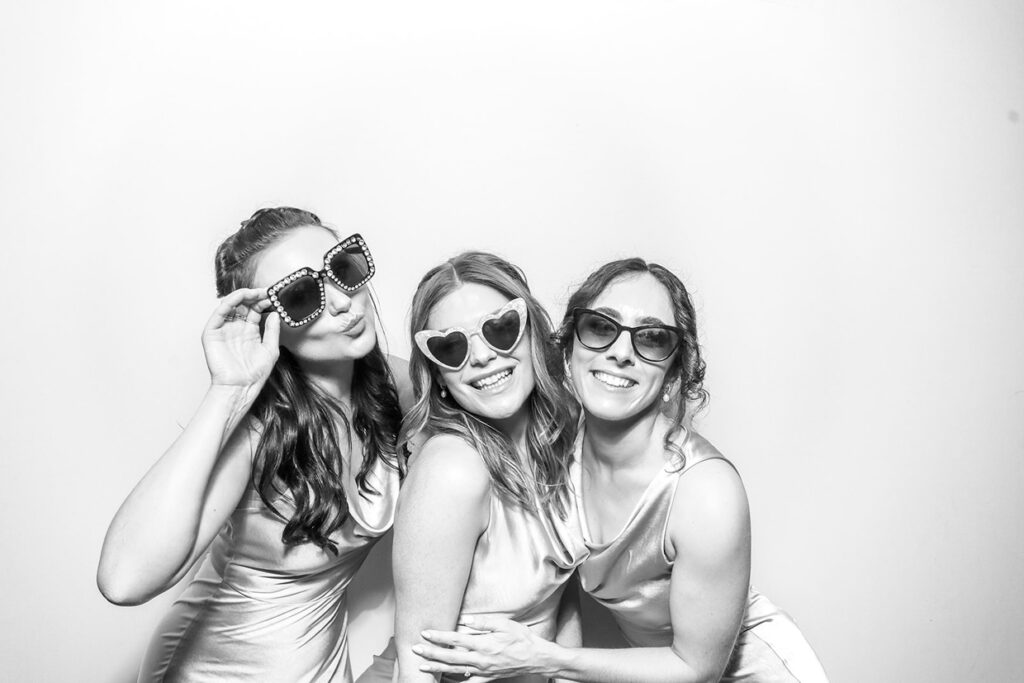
520 566
630 575
260 611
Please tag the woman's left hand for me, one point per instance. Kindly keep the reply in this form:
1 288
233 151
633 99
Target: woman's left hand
500 648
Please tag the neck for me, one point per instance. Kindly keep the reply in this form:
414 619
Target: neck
514 427
334 378
616 444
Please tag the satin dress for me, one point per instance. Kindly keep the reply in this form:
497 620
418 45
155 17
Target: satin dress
520 566
630 574
260 611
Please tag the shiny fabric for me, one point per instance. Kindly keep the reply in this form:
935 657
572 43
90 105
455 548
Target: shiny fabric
520 566
631 573
260 611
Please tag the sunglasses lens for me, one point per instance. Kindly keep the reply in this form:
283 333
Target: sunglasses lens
656 343
449 350
349 266
300 298
502 333
595 331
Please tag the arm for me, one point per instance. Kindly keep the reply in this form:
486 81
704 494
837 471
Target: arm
442 511
709 534
173 513
569 631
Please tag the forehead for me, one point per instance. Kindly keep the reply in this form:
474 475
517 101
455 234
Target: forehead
465 306
302 247
635 297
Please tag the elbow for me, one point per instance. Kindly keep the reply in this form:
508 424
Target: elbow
691 673
119 587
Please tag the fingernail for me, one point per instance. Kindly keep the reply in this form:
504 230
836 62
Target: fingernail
425 668
418 649
427 634
468 621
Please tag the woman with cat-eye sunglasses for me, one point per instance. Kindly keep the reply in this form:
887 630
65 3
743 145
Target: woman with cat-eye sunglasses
287 474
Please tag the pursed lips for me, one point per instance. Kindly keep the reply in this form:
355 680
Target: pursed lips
347 321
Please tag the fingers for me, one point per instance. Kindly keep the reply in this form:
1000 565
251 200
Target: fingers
487 622
246 304
459 672
452 638
442 655
272 332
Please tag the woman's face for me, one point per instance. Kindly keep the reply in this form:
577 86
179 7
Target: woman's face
345 329
492 385
617 384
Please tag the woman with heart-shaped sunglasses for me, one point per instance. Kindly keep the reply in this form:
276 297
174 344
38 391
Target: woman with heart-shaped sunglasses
485 524
287 473
663 513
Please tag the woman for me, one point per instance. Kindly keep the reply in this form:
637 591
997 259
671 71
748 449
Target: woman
665 516
288 467
485 523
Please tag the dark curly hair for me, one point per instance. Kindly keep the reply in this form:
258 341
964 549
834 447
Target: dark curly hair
553 414
299 444
687 366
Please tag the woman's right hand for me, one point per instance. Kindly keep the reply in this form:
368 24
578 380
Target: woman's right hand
235 353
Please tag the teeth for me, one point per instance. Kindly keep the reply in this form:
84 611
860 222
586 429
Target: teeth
491 380
613 381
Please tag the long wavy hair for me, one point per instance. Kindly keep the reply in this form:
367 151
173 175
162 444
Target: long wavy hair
299 449
552 415
687 366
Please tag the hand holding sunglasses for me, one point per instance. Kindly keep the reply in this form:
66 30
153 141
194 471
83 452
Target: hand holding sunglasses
236 353
299 297
500 330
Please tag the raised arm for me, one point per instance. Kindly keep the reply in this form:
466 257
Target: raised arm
442 511
709 537
181 503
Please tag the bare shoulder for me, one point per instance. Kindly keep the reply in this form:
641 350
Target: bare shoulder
710 509
403 383
448 462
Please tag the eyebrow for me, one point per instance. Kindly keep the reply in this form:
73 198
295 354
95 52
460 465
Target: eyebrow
644 320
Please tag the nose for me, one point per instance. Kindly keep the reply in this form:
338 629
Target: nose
337 300
622 351
480 354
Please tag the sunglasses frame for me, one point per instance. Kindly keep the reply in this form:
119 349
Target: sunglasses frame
619 329
518 305
318 277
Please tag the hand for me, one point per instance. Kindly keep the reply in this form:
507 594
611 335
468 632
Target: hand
235 353
500 649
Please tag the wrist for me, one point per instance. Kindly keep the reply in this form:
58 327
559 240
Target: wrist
234 400
555 661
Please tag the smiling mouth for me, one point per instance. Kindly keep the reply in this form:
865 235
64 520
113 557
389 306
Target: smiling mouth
613 380
494 381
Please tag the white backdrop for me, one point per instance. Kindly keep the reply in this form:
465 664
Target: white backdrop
840 183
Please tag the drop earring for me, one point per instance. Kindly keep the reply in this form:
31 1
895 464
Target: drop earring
666 397
444 391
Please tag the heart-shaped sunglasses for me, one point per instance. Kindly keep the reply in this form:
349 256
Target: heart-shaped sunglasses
500 330
299 297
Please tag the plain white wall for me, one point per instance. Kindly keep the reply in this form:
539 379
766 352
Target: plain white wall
840 183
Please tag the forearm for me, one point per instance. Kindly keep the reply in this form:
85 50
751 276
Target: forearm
635 665
153 534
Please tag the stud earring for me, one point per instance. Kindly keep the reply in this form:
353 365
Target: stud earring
666 397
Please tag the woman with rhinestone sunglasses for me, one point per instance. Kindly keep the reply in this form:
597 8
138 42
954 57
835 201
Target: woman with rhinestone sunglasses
485 524
664 515
287 472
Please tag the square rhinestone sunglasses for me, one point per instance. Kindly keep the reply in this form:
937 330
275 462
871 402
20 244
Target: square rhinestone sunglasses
299 297
500 330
